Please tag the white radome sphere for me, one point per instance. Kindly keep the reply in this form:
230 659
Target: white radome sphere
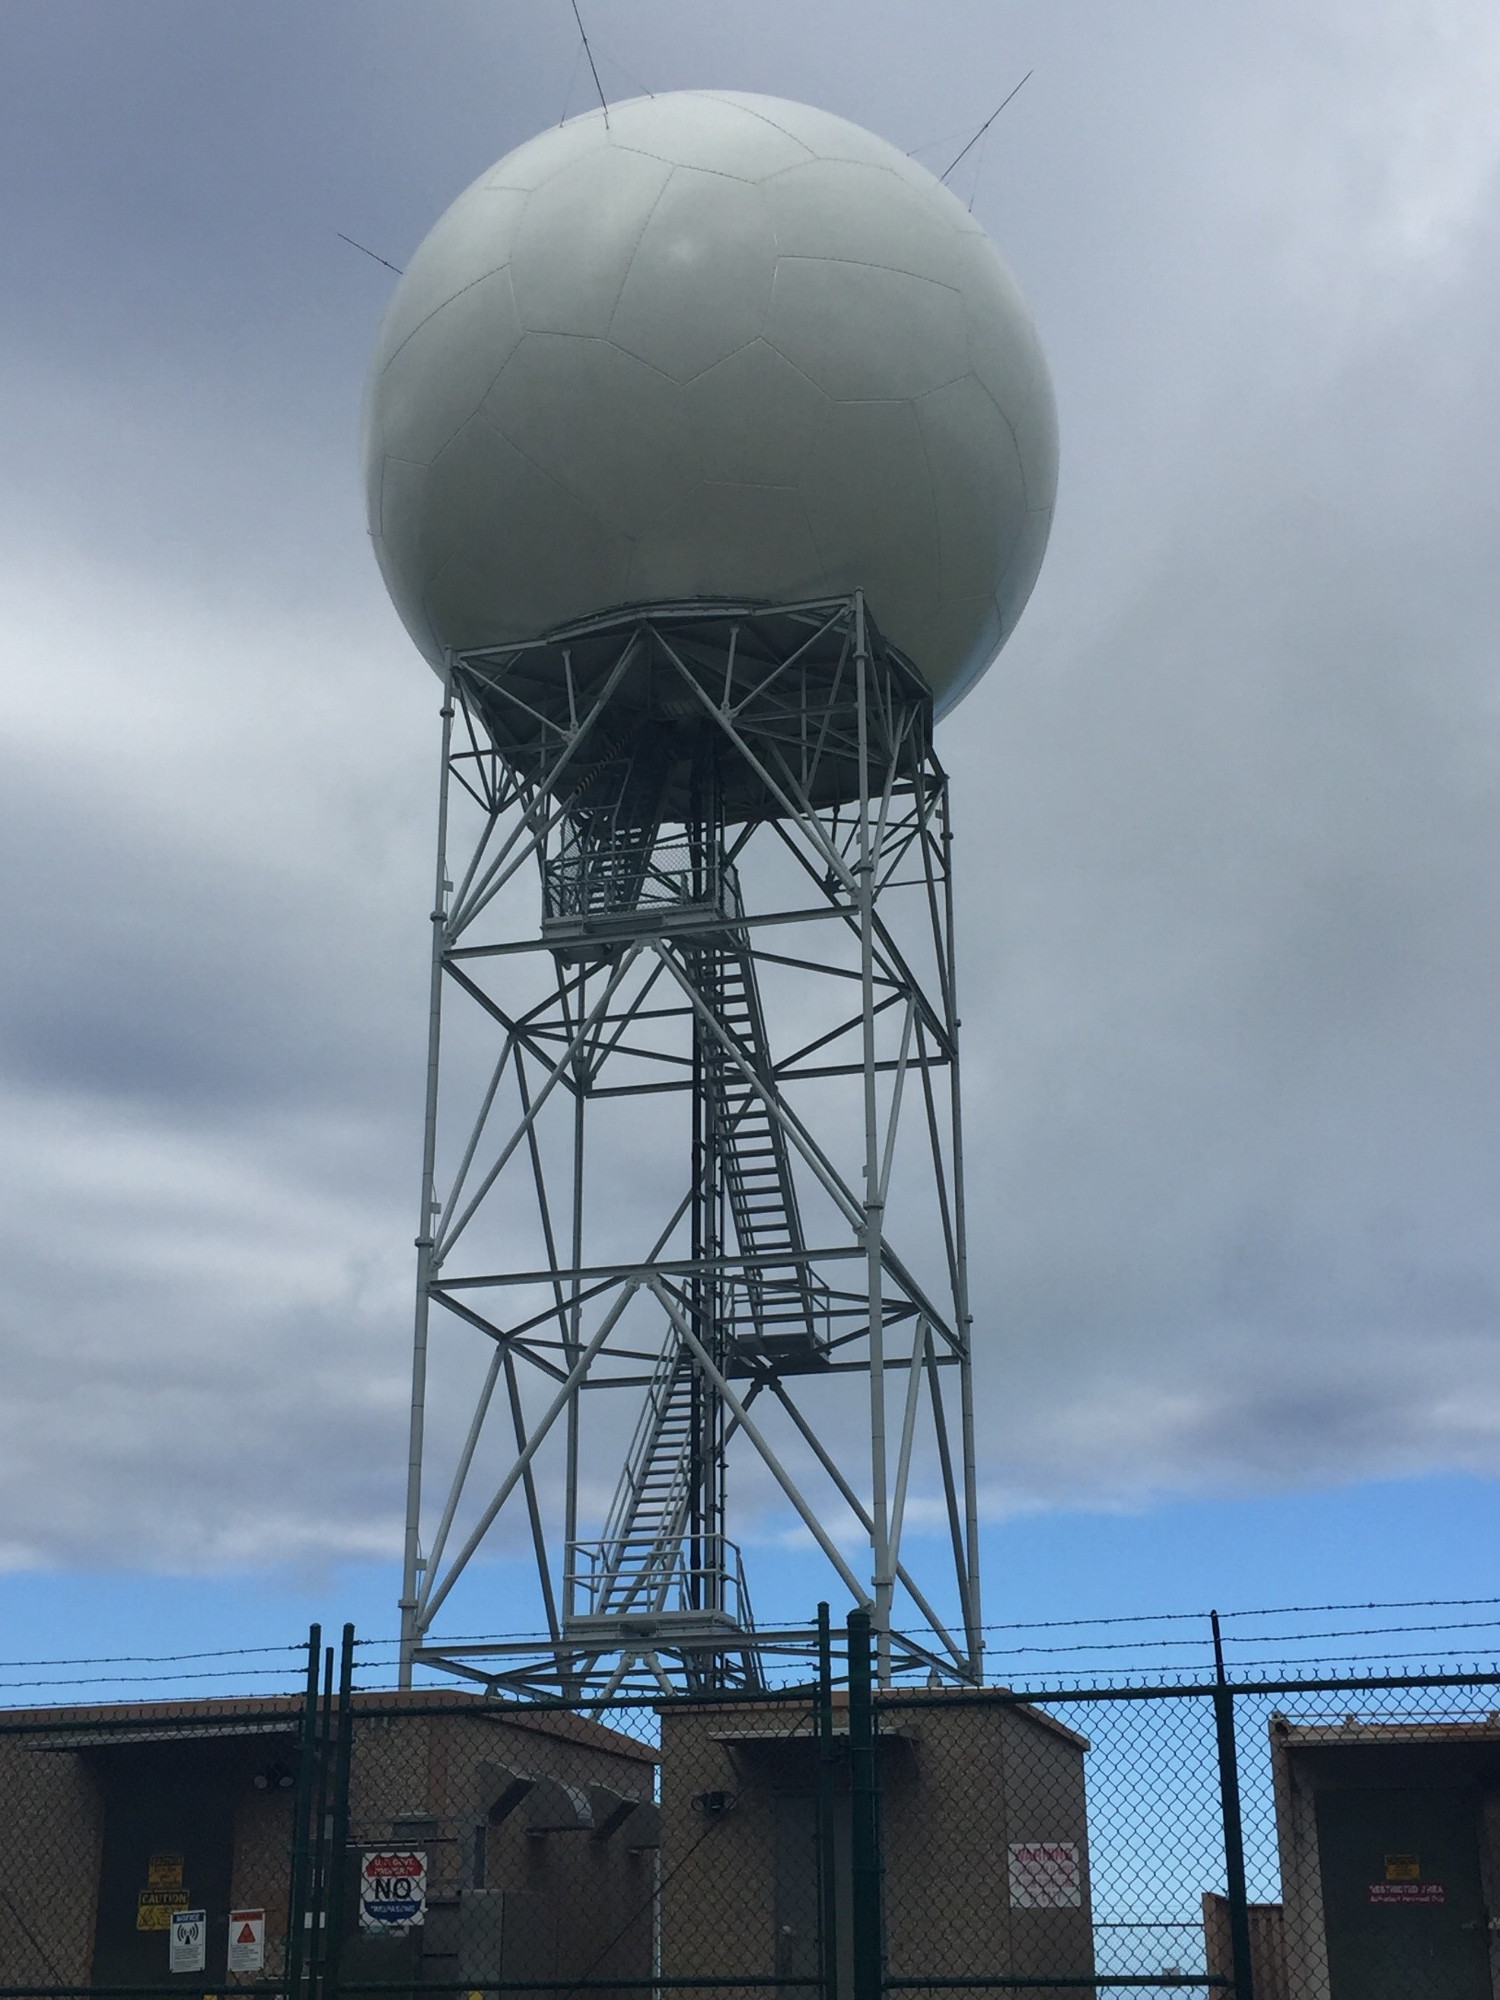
725 347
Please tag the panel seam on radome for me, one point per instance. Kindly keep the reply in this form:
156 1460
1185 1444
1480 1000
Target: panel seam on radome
507 187
1020 461
826 159
763 339
752 485
677 381
630 260
686 166
867 264
483 278
479 406
687 381
1015 441
551 477
750 111
602 339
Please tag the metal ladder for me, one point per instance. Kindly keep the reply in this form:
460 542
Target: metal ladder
643 1535
614 840
642 1567
757 1163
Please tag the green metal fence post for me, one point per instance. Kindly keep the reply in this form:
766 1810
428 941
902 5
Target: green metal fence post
317 1873
319 1843
1234 1844
298 1898
828 1898
864 1815
336 1871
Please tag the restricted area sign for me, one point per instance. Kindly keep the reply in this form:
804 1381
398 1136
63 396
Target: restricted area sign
1044 1875
247 1940
392 1889
188 1940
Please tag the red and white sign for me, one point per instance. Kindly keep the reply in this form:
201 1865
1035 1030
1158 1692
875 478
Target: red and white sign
247 1940
392 1889
1044 1875
1407 1893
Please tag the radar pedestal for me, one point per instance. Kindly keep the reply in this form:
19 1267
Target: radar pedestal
692 1190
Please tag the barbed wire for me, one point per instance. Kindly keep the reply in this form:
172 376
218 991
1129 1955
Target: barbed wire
1264 1611
382 1651
156 1659
133 1680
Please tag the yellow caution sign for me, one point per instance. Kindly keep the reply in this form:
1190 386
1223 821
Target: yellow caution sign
154 1907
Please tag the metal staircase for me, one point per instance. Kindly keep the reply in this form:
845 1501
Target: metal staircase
615 826
639 1554
776 1312
662 1562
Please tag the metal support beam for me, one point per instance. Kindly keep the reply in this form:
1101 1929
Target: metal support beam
737 1115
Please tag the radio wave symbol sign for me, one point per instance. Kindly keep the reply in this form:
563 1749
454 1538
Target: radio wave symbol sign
187 1943
392 1889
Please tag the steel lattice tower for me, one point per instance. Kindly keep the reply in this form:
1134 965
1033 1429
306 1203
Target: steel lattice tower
692 1189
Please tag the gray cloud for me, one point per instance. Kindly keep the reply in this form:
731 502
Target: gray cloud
1229 806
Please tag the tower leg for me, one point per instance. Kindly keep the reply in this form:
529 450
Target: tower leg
411 1554
744 968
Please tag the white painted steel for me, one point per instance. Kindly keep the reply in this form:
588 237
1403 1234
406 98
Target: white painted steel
725 346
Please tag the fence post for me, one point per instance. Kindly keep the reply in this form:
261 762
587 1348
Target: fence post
864 1821
1234 1845
317 1873
336 1873
297 1902
828 1895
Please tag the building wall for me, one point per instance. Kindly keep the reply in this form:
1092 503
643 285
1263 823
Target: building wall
51 1827
960 1784
502 1894
260 1874
979 1778
553 1903
1267 1945
1310 1761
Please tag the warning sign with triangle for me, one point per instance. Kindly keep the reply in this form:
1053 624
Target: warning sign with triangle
247 1940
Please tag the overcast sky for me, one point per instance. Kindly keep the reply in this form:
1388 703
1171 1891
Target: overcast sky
1229 805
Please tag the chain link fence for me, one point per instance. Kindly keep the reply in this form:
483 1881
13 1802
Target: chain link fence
1302 1838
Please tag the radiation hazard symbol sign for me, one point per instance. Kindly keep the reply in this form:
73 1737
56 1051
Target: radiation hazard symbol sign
247 1940
392 1889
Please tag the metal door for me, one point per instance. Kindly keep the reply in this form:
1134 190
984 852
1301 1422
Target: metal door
168 1839
795 1894
1402 1902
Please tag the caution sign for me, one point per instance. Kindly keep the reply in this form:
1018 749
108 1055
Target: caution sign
154 1907
247 1940
164 1892
187 1946
392 1890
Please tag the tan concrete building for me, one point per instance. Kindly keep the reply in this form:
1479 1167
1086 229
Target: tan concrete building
537 1829
1389 1835
983 1832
